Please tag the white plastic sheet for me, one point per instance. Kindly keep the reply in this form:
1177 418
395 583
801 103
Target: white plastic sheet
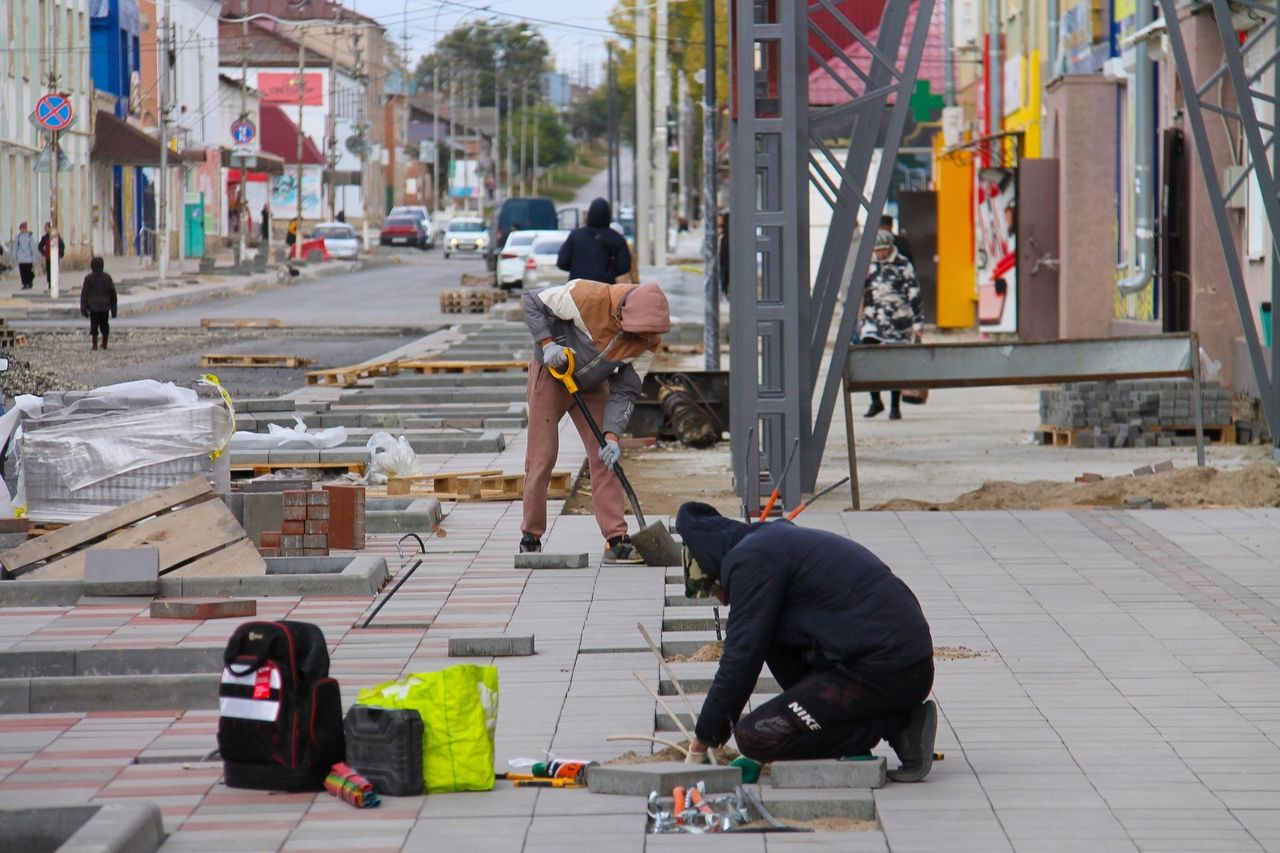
390 457
295 437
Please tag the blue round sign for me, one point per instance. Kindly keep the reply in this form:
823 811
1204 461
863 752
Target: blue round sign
243 132
53 112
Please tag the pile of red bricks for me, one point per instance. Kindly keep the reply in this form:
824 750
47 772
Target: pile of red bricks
305 529
315 521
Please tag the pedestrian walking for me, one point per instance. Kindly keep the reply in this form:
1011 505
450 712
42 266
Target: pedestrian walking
890 309
44 252
595 252
24 249
264 227
97 300
291 234
723 250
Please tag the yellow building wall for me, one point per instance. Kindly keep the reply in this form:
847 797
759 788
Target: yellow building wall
957 278
1027 118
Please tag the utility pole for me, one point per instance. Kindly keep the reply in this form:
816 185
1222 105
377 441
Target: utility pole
524 133
661 109
331 161
364 144
612 126
55 263
495 153
537 127
995 74
710 202
511 139
684 141
644 138
302 90
241 204
162 211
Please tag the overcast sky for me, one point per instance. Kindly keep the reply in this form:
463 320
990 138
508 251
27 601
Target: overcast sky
576 37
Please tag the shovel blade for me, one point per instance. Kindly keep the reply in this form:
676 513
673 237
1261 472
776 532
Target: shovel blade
655 545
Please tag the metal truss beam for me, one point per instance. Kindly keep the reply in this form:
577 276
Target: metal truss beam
781 324
1262 49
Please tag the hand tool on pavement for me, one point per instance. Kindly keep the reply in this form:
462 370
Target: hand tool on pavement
547 783
666 667
777 484
805 505
674 717
652 542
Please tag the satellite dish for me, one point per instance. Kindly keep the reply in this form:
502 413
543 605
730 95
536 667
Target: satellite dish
356 145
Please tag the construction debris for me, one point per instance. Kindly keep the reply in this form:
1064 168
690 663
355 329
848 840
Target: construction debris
470 301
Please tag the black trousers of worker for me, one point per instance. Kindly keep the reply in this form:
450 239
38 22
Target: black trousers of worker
99 322
832 713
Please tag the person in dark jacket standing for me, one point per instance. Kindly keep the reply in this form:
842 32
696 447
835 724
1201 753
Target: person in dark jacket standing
595 252
844 637
890 310
97 299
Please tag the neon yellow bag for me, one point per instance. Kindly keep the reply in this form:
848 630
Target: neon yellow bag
459 709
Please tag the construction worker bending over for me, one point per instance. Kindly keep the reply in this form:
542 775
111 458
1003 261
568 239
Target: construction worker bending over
844 637
607 326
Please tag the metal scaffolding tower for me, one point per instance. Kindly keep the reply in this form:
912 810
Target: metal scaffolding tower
1251 66
779 145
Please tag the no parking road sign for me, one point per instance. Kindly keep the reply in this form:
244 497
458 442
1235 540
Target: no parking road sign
243 132
53 112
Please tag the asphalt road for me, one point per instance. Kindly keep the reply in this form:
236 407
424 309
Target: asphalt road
404 295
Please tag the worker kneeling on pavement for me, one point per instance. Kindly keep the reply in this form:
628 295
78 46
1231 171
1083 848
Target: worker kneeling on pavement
844 637
607 326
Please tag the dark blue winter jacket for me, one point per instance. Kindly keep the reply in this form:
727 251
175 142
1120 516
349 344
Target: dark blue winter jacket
800 594
595 252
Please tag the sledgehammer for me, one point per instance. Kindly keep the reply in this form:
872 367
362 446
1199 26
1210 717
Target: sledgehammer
652 542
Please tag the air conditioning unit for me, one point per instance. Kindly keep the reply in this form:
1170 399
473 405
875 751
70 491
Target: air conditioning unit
1231 174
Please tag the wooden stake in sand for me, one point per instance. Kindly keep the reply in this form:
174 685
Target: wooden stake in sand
666 667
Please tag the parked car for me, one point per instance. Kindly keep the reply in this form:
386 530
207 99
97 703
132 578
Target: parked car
403 229
340 239
420 212
540 266
465 234
533 213
511 259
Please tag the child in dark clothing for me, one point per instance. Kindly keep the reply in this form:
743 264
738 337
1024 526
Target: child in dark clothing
97 299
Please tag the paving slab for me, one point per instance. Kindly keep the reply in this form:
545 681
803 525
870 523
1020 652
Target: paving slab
201 609
544 560
640 779
484 647
828 774
122 571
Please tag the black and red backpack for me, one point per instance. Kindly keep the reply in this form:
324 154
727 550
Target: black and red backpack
280 723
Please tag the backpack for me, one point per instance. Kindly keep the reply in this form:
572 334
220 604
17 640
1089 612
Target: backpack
280 721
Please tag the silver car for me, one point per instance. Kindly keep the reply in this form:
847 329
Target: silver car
540 267
465 235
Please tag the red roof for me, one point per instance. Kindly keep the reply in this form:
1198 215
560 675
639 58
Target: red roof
825 91
280 137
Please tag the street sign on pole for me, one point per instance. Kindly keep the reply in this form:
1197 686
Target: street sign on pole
53 112
244 150
243 132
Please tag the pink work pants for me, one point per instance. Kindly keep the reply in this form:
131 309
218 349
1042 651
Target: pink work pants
548 402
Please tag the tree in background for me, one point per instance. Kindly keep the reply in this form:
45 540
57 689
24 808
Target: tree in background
472 54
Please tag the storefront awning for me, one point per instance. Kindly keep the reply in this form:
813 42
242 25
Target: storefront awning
264 162
279 136
118 143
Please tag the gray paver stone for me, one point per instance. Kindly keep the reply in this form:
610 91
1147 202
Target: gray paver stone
483 647
640 779
123 571
551 561
828 774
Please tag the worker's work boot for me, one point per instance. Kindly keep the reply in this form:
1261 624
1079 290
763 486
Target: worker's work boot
914 744
95 341
621 550
895 414
874 409
104 340
529 544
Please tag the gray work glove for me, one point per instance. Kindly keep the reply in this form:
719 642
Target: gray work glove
553 355
610 453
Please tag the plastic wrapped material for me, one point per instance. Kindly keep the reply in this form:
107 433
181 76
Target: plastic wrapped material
296 437
390 457
116 444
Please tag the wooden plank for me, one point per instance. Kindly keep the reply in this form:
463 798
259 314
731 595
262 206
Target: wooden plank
252 360
348 376
179 536
73 535
260 468
237 559
441 484
241 323
442 366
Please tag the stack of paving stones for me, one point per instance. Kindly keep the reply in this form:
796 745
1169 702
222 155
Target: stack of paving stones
1139 413
346 517
304 532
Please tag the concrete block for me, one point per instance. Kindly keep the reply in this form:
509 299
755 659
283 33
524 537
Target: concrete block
1143 471
490 647
295 457
829 774
129 827
637 780
346 517
504 423
148 661
20 664
203 608
268 484
124 571
263 511
816 804
551 561
15 695
124 693
1161 467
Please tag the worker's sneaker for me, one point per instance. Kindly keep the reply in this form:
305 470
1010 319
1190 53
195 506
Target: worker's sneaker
914 744
529 544
620 550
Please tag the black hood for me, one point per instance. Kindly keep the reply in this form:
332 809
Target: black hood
598 214
708 534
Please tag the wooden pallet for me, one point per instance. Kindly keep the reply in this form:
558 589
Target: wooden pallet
1213 433
470 301
463 366
475 486
345 377
260 469
237 360
468 279
10 339
241 323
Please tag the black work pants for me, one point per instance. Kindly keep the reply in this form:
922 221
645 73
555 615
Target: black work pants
99 322
831 714
27 272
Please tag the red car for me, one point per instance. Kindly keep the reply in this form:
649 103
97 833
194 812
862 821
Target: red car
403 229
